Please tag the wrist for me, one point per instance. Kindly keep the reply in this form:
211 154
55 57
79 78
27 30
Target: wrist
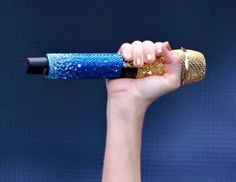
125 111
125 100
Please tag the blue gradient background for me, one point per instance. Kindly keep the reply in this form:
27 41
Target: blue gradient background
54 130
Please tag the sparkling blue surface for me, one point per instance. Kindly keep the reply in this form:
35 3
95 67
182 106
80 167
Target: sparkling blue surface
84 65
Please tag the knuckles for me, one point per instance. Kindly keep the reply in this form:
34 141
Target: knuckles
125 45
136 43
148 42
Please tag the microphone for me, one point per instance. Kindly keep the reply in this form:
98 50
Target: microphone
112 65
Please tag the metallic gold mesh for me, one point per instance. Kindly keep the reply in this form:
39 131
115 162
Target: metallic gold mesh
193 66
155 68
195 70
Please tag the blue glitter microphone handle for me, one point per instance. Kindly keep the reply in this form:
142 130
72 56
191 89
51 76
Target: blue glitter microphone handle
84 65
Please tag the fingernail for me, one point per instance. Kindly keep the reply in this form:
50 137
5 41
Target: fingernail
138 61
128 55
168 46
149 57
159 50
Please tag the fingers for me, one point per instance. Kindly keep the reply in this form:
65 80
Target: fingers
126 51
138 54
146 52
149 51
158 46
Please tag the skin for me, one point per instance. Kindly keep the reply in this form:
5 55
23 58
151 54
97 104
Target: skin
128 100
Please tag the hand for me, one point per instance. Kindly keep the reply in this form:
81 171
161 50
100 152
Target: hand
148 89
127 102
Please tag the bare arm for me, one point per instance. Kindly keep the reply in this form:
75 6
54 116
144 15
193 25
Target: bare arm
124 127
127 102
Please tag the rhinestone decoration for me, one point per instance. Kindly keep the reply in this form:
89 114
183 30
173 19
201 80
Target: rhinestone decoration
84 65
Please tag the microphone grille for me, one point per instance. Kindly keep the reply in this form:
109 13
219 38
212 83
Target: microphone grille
193 65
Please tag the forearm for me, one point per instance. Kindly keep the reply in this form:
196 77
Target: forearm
123 145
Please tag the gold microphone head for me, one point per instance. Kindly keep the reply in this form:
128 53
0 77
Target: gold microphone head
193 65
